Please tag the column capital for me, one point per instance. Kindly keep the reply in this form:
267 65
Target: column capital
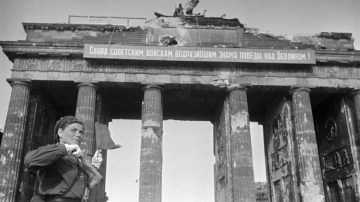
13 82
236 87
149 86
355 91
299 88
87 84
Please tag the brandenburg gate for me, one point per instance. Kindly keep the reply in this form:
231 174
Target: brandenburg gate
305 95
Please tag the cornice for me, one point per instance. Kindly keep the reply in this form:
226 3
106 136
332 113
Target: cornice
325 56
72 27
41 44
15 49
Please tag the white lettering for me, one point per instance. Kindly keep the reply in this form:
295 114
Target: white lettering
195 54
98 51
290 56
126 52
159 53
250 55
227 55
269 56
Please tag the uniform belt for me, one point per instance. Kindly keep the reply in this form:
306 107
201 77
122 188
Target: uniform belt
61 199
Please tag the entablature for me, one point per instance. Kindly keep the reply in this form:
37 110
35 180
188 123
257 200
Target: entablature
18 49
189 73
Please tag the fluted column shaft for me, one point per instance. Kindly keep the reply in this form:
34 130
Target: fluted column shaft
151 146
85 111
308 163
243 185
355 138
12 141
356 94
97 193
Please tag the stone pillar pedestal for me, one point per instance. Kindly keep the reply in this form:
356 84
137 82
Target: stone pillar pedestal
243 184
151 146
85 111
11 151
308 163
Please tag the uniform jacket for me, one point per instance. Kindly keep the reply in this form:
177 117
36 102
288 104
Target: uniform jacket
57 171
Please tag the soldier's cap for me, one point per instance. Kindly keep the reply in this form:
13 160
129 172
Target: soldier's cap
66 120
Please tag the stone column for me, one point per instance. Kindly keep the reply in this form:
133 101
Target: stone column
85 111
308 163
355 139
356 96
151 145
243 185
97 193
11 151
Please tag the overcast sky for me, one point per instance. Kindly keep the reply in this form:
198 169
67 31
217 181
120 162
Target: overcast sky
188 157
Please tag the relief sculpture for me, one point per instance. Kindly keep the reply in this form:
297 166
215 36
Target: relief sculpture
279 126
337 159
32 64
279 156
54 64
77 65
330 129
333 72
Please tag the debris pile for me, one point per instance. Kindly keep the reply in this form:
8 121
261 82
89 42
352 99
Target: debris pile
323 40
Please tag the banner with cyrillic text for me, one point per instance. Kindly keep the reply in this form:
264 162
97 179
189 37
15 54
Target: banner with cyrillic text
199 54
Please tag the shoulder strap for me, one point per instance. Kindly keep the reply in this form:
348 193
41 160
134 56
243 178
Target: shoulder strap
36 196
76 178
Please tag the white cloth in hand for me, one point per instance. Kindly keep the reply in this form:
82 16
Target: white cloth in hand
97 159
74 150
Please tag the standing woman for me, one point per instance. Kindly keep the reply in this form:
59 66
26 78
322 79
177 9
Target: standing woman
63 175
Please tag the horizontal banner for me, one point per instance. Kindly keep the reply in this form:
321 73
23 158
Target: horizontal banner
198 54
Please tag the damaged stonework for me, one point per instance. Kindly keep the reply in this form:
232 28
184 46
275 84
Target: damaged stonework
240 121
3 160
175 29
9 134
85 111
322 40
149 133
308 162
167 40
353 114
280 157
152 123
311 191
337 137
41 118
243 184
308 149
12 143
222 168
223 80
184 31
151 146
